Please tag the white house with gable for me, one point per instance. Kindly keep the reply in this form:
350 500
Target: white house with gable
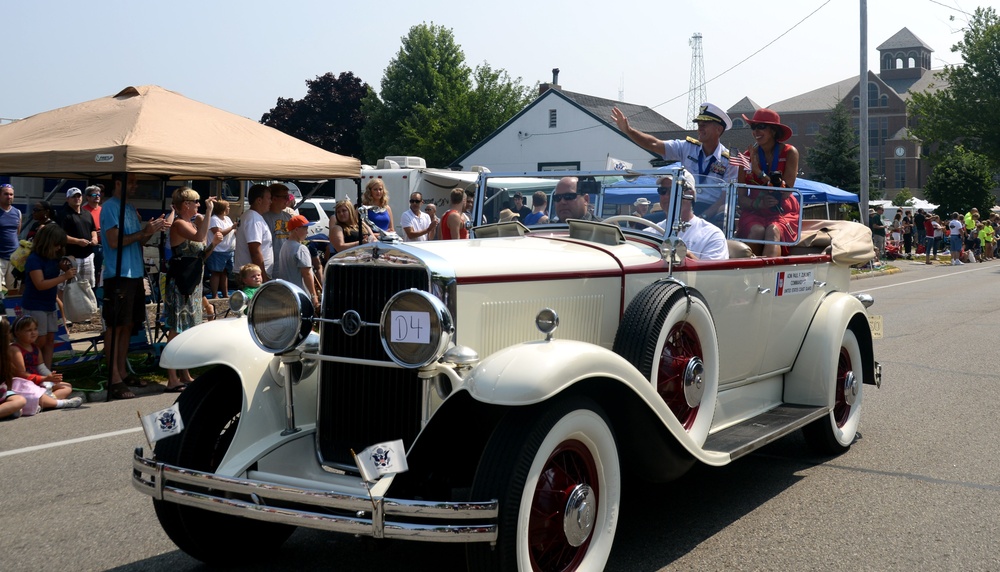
565 131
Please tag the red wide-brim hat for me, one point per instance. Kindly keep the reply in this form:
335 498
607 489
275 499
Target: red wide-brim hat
768 117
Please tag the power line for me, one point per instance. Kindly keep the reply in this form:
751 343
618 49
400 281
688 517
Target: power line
731 68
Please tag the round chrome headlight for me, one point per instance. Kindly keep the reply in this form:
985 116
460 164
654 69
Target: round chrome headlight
415 328
280 316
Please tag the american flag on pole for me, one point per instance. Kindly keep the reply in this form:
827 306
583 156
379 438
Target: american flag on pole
741 160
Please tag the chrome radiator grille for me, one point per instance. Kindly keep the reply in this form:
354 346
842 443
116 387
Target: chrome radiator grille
360 405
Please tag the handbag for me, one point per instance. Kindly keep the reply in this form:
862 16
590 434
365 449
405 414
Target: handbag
186 272
79 301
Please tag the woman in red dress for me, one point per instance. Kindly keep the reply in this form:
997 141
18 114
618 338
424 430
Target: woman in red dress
769 215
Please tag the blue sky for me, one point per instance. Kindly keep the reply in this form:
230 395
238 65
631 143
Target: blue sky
242 56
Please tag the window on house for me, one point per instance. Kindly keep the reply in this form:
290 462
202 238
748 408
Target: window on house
857 102
552 119
900 169
812 128
883 100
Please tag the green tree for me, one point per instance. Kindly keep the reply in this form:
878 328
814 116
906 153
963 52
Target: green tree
964 107
903 198
835 158
961 180
329 116
431 103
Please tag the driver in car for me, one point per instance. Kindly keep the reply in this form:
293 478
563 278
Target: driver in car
704 240
571 204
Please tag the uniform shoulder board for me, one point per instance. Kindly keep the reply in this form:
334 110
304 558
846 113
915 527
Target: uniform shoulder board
725 154
693 141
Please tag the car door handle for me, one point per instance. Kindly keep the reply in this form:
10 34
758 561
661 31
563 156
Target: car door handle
819 284
762 290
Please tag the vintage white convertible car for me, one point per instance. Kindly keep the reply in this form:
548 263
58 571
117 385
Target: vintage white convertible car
529 373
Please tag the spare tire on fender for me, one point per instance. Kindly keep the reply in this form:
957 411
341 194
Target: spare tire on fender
669 335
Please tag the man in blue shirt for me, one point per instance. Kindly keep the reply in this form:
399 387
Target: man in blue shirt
10 226
124 296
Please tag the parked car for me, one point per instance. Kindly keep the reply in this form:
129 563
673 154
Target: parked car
530 373
318 211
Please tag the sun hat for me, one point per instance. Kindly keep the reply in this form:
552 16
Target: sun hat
508 215
768 117
641 201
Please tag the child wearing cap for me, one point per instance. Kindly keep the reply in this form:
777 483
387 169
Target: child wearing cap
294 263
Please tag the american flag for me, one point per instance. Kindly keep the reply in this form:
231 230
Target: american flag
741 160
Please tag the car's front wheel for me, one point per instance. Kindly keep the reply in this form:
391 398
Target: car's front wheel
834 433
555 470
210 409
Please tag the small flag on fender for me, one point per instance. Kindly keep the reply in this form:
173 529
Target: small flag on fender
162 423
381 459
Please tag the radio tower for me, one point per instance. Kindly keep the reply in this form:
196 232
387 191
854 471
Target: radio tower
698 93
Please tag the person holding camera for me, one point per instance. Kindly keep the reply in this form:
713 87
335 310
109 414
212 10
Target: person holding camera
766 214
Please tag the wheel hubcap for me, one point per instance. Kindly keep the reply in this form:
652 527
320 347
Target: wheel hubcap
850 388
564 508
578 518
847 383
680 375
694 386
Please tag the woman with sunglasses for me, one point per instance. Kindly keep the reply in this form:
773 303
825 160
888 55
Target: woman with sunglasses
769 215
185 277
42 214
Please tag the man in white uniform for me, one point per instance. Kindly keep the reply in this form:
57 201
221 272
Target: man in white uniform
705 157
417 226
704 240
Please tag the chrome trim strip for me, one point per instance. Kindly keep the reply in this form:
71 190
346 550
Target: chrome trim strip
168 483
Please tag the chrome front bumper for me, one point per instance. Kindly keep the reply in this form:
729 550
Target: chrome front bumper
360 515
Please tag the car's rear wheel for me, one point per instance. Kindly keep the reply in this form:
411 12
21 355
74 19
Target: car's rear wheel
668 334
555 470
835 433
210 410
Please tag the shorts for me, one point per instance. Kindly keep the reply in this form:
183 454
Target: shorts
220 261
6 276
48 322
127 307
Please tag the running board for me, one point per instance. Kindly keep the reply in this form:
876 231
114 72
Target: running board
754 433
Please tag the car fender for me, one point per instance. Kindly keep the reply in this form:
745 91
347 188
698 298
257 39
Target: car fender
817 357
227 343
533 372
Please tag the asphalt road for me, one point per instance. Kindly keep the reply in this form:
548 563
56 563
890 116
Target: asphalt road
919 490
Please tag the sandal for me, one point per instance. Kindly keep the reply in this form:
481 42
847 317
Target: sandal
176 389
120 391
132 381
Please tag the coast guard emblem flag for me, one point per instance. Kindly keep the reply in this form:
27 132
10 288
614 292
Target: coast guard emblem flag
381 459
162 423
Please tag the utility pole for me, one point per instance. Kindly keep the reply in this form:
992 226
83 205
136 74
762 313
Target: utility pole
697 92
863 123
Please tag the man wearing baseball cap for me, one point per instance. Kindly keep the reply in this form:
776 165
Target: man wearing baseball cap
294 263
705 157
81 234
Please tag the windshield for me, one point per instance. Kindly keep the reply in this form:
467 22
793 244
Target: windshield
636 202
